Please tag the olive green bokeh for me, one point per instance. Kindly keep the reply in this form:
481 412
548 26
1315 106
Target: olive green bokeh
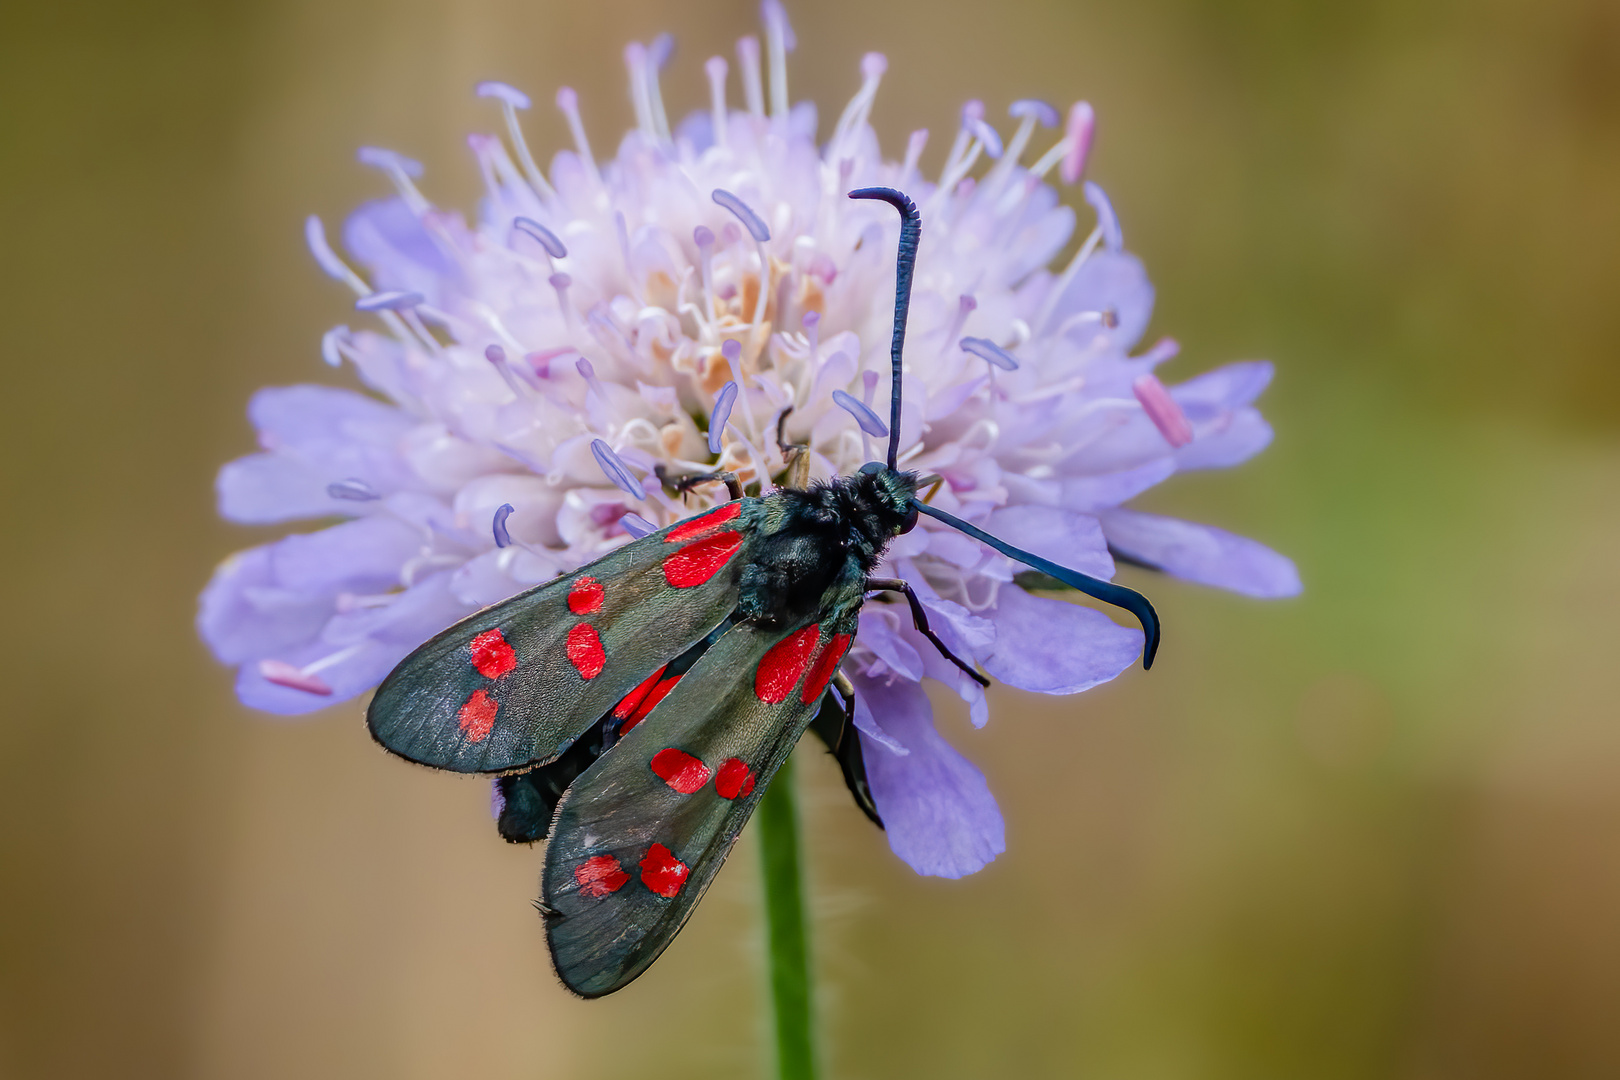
1368 833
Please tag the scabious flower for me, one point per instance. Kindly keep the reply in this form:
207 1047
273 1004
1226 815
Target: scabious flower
532 370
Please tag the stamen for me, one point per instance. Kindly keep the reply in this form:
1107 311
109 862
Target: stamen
1039 110
1162 409
587 371
332 343
352 490
873 65
284 674
731 350
779 41
988 350
1028 112
400 170
812 330
914 149
497 356
547 239
560 282
986 135
1082 125
637 526
568 102
748 60
658 54
721 413
615 469
867 419
1107 221
498 526
715 68
392 300
704 239
512 99
1061 285
326 258
635 58
756 229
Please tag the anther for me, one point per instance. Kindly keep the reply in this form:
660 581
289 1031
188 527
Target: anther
988 350
332 343
282 673
1043 113
546 238
721 413
388 161
497 357
391 300
507 95
587 371
352 489
503 538
1162 409
637 526
1107 220
1082 124
867 419
615 469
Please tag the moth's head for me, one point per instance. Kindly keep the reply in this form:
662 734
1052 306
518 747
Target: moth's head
891 491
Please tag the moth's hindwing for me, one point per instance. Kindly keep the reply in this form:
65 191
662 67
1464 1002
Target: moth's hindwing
640 835
516 683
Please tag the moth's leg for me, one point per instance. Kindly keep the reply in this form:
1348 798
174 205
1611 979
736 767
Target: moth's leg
683 484
919 619
834 724
797 455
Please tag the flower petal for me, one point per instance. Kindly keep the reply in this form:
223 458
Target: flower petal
1068 539
1053 647
1202 553
940 817
243 614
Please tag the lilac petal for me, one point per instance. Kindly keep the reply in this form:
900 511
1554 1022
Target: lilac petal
1067 538
1089 494
721 413
878 634
358 672
1202 553
243 613
363 555
1113 239
308 415
1108 282
745 214
615 468
1237 438
867 725
988 350
864 416
388 237
262 489
937 810
1053 647
1227 387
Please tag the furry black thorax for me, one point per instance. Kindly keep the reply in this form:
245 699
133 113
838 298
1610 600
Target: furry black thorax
833 532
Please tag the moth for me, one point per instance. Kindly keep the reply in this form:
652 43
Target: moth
635 710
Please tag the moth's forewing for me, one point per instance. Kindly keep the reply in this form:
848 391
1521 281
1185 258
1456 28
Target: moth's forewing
516 683
641 834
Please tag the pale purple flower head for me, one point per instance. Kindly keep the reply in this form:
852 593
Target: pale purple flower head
526 370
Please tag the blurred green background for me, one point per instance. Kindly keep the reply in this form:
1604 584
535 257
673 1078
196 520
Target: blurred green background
1373 832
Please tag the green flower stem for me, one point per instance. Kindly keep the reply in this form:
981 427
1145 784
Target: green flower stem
784 918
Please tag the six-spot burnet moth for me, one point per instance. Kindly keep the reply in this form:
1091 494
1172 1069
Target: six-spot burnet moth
635 710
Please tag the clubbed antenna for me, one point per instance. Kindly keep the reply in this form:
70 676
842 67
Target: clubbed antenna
910 231
1106 591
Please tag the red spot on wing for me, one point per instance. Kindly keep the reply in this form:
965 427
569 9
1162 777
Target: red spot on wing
703 523
650 702
662 872
599 876
680 770
491 655
826 665
586 596
699 561
627 706
780 668
585 650
477 716
734 779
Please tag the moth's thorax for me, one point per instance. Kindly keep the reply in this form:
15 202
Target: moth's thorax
828 536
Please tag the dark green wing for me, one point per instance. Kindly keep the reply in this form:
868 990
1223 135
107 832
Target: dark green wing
518 682
641 834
